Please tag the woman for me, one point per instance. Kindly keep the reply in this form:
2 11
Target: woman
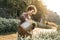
26 16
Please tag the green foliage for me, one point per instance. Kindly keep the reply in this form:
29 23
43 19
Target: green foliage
15 7
58 28
19 6
8 25
41 25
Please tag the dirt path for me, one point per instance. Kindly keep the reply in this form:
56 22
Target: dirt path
8 37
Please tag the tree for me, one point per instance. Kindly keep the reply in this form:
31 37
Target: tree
19 6
42 10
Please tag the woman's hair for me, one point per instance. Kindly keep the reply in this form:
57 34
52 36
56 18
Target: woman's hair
32 7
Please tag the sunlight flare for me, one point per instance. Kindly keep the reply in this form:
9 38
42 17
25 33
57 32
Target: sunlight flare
53 5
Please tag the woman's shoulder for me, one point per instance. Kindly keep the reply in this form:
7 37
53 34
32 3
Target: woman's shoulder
24 14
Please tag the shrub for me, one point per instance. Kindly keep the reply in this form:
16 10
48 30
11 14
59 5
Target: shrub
8 25
58 28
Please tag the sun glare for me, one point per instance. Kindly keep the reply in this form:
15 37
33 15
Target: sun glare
53 5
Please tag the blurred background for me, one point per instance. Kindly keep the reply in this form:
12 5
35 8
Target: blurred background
10 11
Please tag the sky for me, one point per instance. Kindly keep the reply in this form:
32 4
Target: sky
53 5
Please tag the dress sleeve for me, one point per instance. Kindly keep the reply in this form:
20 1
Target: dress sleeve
22 18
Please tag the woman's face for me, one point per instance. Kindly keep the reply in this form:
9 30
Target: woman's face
30 12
